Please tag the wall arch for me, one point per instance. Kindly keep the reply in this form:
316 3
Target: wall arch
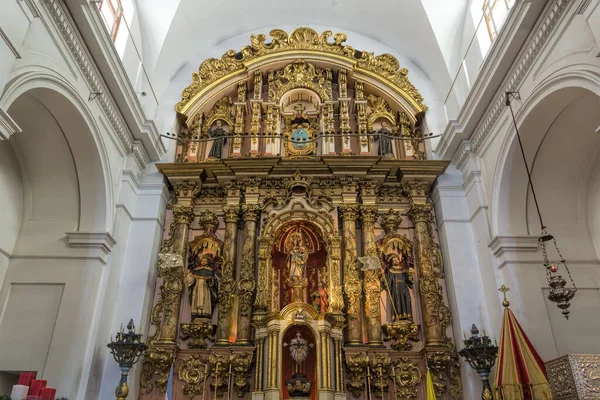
83 137
535 117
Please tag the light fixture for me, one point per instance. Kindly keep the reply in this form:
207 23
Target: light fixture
558 294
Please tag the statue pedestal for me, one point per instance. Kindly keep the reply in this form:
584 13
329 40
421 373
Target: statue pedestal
200 330
400 332
298 287
574 376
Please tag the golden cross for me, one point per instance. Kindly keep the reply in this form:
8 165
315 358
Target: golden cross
504 289
299 108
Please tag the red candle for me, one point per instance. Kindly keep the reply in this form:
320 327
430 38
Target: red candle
36 387
48 393
25 378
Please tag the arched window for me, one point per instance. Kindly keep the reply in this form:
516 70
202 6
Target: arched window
112 13
495 13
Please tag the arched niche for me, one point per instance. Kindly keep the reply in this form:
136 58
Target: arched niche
297 210
81 148
308 366
557 132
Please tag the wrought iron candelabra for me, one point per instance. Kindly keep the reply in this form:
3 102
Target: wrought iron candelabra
480 353
127 350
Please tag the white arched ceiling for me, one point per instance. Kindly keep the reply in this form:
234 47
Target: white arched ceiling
563 150
175 33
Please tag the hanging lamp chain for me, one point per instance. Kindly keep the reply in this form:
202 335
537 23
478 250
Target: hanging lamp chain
558 294
515 95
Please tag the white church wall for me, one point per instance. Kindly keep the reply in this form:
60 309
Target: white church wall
14 20
460 266
62 183
511 256
11 198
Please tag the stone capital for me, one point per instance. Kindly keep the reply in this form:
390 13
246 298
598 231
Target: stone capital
185 190
231 213
183 214
420 212
250 212
349 212
369 214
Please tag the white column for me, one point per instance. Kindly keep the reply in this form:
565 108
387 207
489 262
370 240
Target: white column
471 270
129 288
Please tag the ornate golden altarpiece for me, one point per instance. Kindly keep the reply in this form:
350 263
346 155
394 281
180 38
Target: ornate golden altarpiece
301 235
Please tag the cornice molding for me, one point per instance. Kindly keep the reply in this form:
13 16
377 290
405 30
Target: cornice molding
514 249
102 241
8 126
462 154
147 130
519 71
95 83
534 44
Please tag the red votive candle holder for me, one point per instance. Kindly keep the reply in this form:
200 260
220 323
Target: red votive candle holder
36 387
25 378
48 393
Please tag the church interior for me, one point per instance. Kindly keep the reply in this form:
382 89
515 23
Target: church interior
321 200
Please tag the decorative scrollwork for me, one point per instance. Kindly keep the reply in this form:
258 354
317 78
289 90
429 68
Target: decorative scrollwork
438 362
240 366
379 365
406 376
436 314
456 389
193 371
219 372
170 271
400 332
303 39
155 370
199 333
246 283
356 366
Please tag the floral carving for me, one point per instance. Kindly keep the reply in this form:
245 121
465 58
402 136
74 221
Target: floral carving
385 66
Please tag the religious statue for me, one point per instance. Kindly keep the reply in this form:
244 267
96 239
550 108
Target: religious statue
320 300
398 283
219 135
297 258
385 141
202 286
298 385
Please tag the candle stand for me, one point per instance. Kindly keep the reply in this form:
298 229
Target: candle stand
127 350
480 353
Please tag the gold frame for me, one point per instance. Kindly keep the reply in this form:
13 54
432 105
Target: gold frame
308 150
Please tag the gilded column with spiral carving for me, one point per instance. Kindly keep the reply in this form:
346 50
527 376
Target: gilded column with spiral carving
336 302
227 283
352 289
246 282
436 314
372 279
165 313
